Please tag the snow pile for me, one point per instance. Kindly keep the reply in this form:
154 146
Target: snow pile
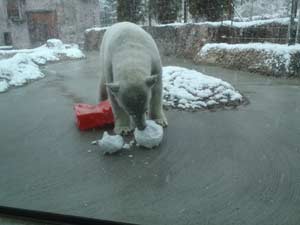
150 137
110 144
275 55
23 66
55 50
17 71
189 89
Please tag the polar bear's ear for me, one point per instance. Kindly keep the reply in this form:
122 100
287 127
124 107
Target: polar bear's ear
113 87
150 81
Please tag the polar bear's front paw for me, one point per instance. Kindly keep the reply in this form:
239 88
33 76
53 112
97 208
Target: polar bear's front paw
121 130
162 121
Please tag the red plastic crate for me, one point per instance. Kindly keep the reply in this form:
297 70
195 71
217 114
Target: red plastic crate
93 116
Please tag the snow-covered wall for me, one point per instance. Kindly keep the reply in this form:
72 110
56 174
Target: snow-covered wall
264 58
186 40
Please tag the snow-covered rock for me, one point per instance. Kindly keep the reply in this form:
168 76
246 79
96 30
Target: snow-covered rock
110 144
150 137
189 89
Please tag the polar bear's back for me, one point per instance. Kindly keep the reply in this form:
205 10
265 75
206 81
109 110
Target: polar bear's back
126 33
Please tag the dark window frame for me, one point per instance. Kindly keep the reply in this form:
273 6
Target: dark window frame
15 10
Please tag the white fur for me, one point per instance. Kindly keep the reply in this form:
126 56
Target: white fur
131 76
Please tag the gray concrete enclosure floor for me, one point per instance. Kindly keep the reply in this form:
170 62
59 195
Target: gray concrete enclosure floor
226 167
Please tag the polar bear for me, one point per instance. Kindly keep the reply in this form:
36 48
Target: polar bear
131 77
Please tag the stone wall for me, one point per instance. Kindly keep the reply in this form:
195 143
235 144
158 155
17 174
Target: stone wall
187 40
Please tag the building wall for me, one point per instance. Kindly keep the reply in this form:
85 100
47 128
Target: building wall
73 17
3 23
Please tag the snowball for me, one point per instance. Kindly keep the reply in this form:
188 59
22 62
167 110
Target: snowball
150 137
111 143
126 146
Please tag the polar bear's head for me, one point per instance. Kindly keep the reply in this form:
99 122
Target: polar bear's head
134 98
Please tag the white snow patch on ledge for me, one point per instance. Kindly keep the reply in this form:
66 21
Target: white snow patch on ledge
6 47
283 21
189 89
96 29
268 47
228 23
23 66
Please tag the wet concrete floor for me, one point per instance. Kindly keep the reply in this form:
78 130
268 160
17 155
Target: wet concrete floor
227 167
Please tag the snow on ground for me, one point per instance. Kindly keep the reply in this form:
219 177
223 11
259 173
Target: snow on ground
281 53
23 66
150 137
189 89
